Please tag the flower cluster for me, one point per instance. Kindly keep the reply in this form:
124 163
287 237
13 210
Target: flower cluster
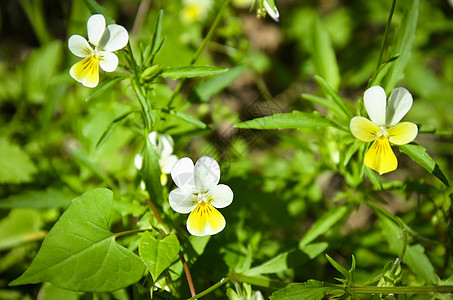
199 194
384 127
105 40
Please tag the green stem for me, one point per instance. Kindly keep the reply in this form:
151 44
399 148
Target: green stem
443 289
386 34
200 49
210 289
130 232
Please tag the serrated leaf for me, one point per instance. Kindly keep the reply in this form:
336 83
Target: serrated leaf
191 71
294 120
402 45
323 54
49 198
206 89
414 257
158 254
323 224
80 253
419 154
151 172
15 165
310 290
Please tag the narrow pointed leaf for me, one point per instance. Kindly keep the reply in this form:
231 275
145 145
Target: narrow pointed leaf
310 290
151 173
294 120
191 71
80 253
419 154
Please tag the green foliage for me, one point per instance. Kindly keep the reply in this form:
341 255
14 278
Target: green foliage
15 165
80 253
191 71
158 255
294 120
312 290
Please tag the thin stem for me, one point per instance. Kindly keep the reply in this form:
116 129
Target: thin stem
188 276
443 289
130 232
155 211
386 34
200 49
210 289
140 17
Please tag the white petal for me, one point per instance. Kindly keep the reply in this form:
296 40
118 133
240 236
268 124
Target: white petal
375 102
167 162
79 46
206 173
182 201
166 144
96 27
400 101
271 9
138 161
152 136
221 196
182 172
114 38
108 61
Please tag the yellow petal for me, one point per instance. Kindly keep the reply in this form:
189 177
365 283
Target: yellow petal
380 156
363 129
86 71
402 133
205 220
163 179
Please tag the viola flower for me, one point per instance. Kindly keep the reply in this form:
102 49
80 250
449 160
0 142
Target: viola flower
384 127
271 9
199 194
105 40
195 10
164 145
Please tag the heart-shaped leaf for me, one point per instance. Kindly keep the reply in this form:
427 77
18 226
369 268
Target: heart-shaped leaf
80 253
158 254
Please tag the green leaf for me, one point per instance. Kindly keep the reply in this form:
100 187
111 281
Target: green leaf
50 292
157 41
15 165
95 8
330 92
294 120
374 178
339 267
19 227
103 87
206 89
310 290
281 262
327 103
402 45
191 71
188 118
151 173
110 128
158 254
414 257
323 54
321 226
80 253
381 72
314 249
49 198
419 154
83 160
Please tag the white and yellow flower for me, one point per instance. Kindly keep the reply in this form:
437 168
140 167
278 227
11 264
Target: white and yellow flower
164 145
199 194
384 127
195 10
271 9
105 40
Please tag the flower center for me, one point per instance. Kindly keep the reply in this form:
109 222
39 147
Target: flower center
383 132
201 197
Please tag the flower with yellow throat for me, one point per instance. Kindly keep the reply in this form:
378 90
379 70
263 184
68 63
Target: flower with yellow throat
199 194
384 127
105 40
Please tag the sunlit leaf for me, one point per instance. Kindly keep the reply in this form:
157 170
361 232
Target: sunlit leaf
158 254
294 120
80 253
191 71
310 290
